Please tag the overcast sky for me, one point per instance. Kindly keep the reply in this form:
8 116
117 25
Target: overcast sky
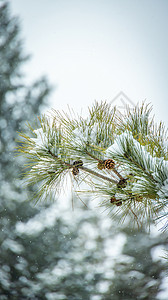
93 49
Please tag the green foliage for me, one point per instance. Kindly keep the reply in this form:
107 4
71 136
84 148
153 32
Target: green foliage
87 136
46 158
124 158
144 129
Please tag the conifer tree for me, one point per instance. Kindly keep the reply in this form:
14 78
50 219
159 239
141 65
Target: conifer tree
18 102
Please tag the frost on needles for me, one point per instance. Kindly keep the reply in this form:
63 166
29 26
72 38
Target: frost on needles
122 159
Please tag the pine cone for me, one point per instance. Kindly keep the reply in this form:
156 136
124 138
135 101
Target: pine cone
78 163
75 171
115 201
100 165
122 183
109 164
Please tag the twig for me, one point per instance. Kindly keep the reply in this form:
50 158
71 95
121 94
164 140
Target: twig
117 173
84 169
113 170
98 175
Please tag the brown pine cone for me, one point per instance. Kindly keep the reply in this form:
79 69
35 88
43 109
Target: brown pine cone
100 165
122 183
75 171
109 164
113 200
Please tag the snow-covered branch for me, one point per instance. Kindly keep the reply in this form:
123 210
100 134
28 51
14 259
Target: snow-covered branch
121 160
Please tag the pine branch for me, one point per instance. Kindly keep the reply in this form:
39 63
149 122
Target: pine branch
98 175
131 149
85 169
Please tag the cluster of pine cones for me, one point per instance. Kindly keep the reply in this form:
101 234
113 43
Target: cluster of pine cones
110 165
103 164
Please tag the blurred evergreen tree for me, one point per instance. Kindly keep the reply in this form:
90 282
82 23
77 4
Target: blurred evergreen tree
28 260
17 101
44 252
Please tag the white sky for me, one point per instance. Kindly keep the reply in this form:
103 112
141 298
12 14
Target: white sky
93 49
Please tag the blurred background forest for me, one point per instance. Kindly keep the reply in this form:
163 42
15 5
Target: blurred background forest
49 251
